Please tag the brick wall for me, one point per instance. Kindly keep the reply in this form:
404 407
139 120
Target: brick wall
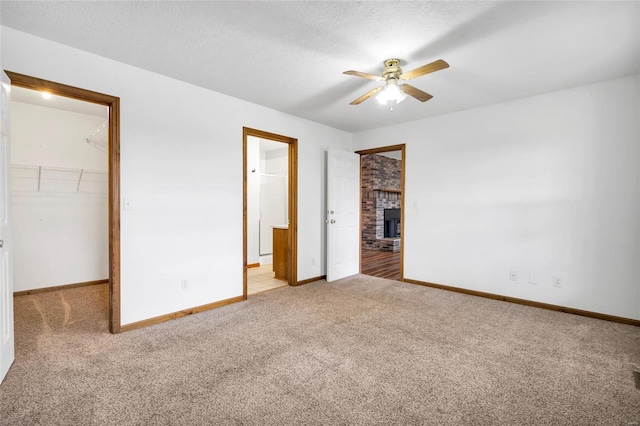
381 184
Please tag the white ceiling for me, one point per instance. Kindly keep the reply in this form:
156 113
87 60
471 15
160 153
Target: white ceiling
290 55
33 97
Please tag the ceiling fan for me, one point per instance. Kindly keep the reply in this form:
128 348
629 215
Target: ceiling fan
391 74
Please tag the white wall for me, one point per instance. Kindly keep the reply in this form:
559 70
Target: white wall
54 137
59 238
546 185
181 167
277 161
253 200
273 196
274 161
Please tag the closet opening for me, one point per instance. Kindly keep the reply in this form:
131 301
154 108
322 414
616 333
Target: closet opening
65 199
59 176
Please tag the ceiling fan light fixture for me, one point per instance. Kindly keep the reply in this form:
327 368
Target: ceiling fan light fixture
391 93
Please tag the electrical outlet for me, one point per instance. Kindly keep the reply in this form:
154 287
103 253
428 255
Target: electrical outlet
184 285
557 282
313 260
513 275
533 279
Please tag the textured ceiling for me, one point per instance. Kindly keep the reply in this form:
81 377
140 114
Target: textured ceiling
290 55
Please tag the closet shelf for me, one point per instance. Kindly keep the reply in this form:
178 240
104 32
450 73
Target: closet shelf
51 179
100 138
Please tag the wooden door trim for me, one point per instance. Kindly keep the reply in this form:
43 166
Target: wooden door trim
402 149
113 103
293 202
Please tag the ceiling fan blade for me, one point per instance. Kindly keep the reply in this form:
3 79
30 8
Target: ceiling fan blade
425 69
364 75
415 92
366 95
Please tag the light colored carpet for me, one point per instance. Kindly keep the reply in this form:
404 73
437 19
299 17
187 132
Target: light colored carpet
361 350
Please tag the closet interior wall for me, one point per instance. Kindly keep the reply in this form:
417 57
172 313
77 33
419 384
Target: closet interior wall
59 193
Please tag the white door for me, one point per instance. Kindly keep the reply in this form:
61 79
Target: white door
7 350
343 214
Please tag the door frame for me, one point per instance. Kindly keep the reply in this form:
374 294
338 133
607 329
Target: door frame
113 104
402 149
292 252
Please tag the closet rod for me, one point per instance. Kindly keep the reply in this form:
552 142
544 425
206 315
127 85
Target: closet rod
79 180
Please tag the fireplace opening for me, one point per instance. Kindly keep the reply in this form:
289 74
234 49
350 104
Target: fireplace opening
391 223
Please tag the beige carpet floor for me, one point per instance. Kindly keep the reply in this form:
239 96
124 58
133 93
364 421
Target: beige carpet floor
361 350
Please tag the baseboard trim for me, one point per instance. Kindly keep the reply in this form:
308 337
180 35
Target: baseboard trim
58 287
179 314
311 280
253 265
525 302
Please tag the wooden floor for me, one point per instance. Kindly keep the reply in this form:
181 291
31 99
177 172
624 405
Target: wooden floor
382 264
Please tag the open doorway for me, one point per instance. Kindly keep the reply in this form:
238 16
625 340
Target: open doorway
89 181
270 211
267 214
382 211
58 199
59 174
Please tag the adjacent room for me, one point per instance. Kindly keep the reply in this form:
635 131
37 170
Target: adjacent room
267 211
381 193
441 198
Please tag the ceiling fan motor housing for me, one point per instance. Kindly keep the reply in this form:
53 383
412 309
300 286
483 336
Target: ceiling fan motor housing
392 69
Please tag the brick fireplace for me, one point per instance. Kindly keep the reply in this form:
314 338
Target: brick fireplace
381 190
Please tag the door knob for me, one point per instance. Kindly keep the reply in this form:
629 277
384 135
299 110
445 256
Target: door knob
333 221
